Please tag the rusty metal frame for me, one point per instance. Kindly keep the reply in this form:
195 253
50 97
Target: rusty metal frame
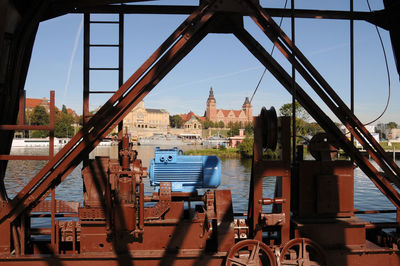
338 107
270 168
175 48
21 126
371 17
114 110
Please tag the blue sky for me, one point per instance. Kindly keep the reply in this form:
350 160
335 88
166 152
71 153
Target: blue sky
219 61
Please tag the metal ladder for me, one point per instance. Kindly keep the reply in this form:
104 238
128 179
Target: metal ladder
88 69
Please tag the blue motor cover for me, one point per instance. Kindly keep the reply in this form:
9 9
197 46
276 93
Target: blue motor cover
186 172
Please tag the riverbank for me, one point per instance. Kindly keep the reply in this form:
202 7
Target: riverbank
221 152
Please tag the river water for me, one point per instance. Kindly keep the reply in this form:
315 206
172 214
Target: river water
235 176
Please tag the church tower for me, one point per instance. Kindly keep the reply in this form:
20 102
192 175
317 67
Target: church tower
211 110
248 110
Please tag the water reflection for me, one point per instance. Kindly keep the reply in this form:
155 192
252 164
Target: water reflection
235 177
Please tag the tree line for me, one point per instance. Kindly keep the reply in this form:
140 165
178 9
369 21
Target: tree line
63 122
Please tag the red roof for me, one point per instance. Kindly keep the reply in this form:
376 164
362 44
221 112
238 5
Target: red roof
32 103
188 116
237 112
71 112
224 112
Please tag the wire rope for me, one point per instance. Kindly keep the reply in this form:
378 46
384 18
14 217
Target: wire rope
387 71
272 52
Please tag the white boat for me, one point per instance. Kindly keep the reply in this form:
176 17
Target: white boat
215 142
107 142
38 142
162 141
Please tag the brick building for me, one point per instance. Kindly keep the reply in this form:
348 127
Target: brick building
245 115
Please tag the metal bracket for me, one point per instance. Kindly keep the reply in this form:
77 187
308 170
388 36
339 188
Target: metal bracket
163 205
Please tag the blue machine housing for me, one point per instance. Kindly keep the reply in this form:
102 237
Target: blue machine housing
186 173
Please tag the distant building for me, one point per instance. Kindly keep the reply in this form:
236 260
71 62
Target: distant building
236 140
141 117
192 121
245 115
31 103
393 133
71 112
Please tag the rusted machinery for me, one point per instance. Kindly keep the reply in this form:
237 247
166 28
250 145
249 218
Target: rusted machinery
312 221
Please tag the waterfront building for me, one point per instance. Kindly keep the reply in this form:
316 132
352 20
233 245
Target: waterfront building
244 116
150 120
192 121
236 140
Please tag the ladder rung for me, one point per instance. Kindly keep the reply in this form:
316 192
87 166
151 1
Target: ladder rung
104 45
102 91
25 127
104 22
24 157
103 68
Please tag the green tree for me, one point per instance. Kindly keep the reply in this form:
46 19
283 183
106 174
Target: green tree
301 118
63 125
233 129
312 128
39 116
246 147
249 129
391 125
207 124
221 124
286 110
176 121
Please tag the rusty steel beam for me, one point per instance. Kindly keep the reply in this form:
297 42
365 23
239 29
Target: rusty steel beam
188 9
24 158
24 127
21 112
176 47
316 112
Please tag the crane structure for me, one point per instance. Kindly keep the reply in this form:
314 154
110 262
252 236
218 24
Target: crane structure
313 220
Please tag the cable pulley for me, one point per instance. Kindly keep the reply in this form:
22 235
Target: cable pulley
269 127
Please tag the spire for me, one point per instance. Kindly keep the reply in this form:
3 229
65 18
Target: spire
246 101
211 95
